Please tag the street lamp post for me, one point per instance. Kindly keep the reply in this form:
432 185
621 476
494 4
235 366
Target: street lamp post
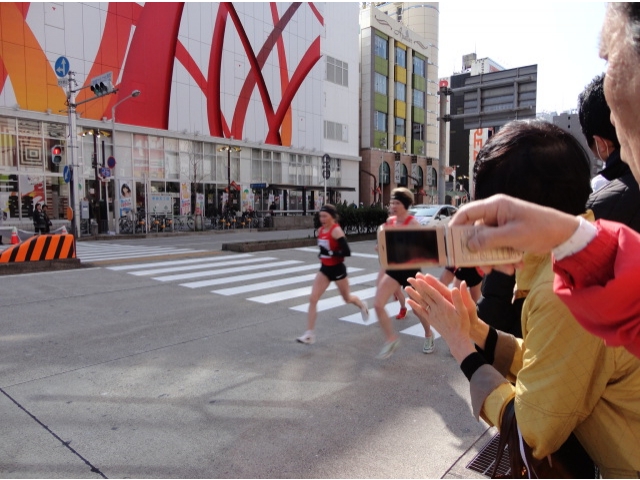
228 149
133 94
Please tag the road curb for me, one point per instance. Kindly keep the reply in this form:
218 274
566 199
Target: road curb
261 246
40 266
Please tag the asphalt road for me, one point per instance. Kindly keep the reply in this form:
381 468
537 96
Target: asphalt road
132 369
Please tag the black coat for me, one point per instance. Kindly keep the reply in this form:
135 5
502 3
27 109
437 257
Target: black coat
619 200
38 219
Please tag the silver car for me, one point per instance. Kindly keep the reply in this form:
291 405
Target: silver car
432 214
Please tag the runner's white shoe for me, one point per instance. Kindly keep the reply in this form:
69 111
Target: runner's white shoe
308 338
364 311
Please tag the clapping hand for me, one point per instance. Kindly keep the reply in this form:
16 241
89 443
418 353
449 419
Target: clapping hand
451 312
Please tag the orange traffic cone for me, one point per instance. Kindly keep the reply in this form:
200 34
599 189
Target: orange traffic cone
14 236
64 230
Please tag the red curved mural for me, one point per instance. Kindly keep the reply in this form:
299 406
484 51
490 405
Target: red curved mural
145 60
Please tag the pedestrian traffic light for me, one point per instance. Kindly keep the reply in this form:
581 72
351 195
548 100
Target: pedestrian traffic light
56 154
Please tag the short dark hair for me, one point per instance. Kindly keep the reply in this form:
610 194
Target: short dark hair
535 161
595 114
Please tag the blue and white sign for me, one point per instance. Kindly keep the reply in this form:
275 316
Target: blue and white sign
67 173
62 67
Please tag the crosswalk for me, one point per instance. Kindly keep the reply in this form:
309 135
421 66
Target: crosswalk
267 280
89 252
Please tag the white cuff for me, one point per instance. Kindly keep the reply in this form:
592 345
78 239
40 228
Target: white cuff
583 235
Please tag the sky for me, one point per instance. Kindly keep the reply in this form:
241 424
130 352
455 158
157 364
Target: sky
562 38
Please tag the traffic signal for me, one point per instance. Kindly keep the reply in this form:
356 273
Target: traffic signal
56 154
100 89
102 85
326 166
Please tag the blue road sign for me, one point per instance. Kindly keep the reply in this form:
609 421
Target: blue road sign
67 173
62 66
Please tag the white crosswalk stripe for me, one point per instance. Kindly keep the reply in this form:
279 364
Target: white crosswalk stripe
102 251
353 254
218 262
266 273
306 291
252 276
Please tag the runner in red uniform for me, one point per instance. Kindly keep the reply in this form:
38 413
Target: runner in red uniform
392 280
333 248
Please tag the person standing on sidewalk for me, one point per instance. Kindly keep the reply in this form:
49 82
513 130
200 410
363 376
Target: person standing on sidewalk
38 219
333 248
393 280
47 220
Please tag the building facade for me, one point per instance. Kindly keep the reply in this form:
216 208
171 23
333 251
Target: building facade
399 131
238 103
464 144
570 122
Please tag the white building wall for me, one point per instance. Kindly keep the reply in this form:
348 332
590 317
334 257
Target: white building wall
341 104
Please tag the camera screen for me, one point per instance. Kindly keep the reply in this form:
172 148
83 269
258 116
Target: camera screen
411 246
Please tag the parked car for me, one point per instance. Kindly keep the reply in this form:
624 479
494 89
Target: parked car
432 214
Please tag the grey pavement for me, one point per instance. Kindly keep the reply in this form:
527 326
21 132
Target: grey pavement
105 374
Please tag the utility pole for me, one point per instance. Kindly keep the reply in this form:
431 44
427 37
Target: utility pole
76 177
442 139
100 86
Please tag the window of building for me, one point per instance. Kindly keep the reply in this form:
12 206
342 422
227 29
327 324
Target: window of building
380 121
419 180
336 131
337 71
400 126
418 66
418 98
380 84
401 91
401 57
384 173
380 47
418 131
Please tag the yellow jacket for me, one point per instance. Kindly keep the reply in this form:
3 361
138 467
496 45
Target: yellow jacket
565 380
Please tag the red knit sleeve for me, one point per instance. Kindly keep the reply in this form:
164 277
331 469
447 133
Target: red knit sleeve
600 284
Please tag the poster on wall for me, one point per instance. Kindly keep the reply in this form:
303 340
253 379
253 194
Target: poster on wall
32 186
185 198
4 206
126 201
248 199
319 202
199 203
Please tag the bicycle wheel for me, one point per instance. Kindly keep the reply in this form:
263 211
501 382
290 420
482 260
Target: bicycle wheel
123 225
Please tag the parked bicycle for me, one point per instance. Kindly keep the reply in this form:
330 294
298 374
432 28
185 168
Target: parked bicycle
160 223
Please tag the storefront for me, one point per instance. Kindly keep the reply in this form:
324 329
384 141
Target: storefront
152 172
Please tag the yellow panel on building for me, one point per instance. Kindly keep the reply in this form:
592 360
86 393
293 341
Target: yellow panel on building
401 109
401 74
